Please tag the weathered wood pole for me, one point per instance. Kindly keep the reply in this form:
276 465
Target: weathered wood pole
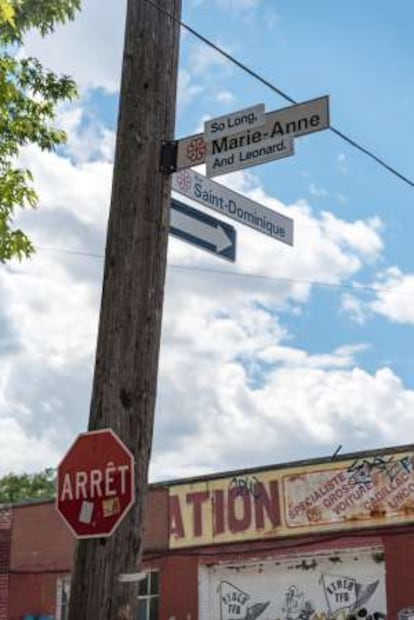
126 367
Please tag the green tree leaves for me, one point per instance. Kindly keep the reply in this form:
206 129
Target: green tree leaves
20 487
7 13
42 15
29 95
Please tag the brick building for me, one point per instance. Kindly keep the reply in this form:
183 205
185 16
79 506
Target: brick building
316 540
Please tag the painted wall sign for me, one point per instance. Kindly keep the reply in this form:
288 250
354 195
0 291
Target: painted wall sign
223 510
367 492
233 205
308 587
229 124
292 121
374 488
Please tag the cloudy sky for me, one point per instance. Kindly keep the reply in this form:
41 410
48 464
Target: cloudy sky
290 351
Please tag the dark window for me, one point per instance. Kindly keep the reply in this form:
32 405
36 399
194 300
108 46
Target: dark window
148 597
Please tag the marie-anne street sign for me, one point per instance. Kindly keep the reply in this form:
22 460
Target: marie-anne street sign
249 155
283 124
202 230
228 124
233 205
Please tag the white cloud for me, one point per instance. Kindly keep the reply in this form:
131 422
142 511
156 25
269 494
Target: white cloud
56 323
233 390
81 189
395 296
89 49
361 236
318 191
187 90
343 357
355 308
234 5
87 138
204 59
21 451
342 165
240 412
226 97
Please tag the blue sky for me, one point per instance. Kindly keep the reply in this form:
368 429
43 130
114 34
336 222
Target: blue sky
317 337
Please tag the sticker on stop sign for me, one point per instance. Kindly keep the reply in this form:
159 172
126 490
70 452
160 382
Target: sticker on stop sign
95 484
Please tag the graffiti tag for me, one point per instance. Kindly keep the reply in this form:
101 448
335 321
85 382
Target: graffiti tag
246 485
362 471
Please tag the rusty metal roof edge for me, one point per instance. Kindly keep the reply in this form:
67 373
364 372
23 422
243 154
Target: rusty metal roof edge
349 456
247 471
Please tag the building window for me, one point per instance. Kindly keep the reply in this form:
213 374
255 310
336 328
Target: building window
148 597
62 597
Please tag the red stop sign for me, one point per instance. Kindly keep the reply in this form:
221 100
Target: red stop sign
95 484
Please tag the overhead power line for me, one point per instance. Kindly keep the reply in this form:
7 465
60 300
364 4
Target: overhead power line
366 151
355 287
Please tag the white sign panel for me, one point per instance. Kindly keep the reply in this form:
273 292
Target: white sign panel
250 155
296 120
233 205
229 124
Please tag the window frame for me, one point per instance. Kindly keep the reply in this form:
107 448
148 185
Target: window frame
149 595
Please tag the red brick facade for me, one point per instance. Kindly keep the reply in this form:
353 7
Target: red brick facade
36 550
6 518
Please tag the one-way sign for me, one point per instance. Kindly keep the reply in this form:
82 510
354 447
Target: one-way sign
202 230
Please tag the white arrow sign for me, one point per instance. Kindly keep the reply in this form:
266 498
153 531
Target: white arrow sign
233 205
202 230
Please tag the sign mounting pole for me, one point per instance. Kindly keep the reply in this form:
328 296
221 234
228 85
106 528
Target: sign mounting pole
126 367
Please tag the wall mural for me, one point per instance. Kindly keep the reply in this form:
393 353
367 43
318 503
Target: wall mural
342 586
237 605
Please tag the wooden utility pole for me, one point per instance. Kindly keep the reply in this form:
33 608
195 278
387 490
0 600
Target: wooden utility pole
125 380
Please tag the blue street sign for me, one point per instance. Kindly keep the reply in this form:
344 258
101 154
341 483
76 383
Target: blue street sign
202 230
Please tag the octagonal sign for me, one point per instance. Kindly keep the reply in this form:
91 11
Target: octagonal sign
95 484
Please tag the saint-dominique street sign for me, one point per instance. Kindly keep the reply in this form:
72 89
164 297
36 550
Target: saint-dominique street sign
233 205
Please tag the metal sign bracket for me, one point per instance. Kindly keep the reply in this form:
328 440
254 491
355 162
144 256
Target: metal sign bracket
168 161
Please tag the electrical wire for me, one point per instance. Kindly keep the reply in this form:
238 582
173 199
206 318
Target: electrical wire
356 287
368 152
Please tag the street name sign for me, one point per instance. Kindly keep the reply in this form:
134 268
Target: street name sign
229 124
248 156
233 205
95 484
202 230
296 120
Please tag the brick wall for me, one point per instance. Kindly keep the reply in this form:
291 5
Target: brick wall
6 517
156 529
41 542
42 549
399 553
